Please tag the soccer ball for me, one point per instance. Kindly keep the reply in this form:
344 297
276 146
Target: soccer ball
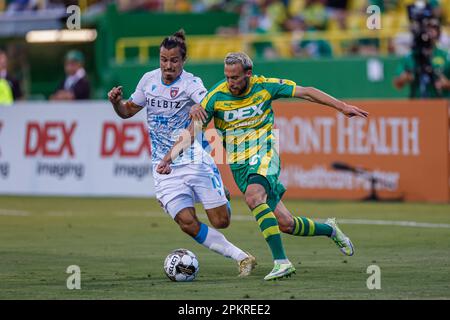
181 265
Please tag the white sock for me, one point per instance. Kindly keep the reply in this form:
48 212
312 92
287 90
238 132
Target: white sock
283 261
217 242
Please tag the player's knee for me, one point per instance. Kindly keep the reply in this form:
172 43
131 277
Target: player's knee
285 225
255 195
221 222
253 199
190 227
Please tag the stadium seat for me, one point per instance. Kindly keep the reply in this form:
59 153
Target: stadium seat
356 21
216 48
390 20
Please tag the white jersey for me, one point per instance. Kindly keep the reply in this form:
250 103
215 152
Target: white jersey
168 109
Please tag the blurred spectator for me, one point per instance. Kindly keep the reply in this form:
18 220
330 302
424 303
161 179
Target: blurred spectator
427 68
262 17
21 5
10 89
178 5
306 48
76 85
385 5
337 10
315 15
130 5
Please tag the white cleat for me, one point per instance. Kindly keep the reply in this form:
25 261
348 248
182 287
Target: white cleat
342 241
280 270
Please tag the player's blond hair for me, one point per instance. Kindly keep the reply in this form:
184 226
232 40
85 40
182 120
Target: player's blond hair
241 58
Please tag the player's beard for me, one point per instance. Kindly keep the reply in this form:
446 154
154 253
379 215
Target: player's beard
245 87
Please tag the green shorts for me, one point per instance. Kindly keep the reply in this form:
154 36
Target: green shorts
263 170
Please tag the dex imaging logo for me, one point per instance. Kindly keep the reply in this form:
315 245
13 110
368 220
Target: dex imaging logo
49 139
52 140
125 140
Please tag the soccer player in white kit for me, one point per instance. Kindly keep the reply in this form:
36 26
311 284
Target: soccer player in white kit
168 93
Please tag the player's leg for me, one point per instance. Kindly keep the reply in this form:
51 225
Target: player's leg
176 197
302 226
219 218
256 199
219 185
252 180
183 212
208 190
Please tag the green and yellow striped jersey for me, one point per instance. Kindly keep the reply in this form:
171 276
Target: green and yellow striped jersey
245 122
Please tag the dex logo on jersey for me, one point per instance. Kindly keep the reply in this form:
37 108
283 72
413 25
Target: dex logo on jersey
244 113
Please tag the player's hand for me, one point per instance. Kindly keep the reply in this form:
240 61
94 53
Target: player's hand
352 111
163 167
197 113
115 95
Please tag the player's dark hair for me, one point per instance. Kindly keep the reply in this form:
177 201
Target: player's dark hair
178 39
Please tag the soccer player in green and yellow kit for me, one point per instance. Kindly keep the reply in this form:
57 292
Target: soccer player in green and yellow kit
241 106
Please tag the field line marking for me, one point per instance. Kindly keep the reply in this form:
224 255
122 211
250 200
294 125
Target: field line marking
414 224
10 212
396 223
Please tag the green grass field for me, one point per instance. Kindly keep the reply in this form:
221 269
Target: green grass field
120 246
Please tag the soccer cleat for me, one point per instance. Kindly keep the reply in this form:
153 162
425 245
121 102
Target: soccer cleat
247 265
341 240
280 270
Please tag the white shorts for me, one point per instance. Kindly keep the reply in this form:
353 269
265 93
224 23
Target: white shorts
189 184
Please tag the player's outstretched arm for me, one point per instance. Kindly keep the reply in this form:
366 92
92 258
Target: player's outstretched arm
184 142
197 113
125 109
317 96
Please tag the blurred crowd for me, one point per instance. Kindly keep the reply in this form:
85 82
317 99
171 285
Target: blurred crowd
258 17
12 7
269 17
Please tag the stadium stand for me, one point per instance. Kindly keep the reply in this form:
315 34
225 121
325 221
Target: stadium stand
267 30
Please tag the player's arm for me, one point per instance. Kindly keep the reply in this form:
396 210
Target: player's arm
183 143
205 113
125 109
198 113
317 96
199 93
